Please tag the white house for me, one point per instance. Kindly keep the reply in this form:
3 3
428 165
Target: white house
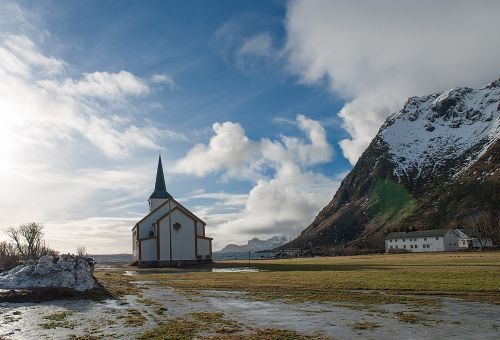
470 242
423 241
169 235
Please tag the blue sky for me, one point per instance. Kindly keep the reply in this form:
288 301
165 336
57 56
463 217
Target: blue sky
260 108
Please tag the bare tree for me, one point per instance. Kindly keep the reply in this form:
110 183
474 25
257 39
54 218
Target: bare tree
8 256
28 240
482 226
81 250
16 237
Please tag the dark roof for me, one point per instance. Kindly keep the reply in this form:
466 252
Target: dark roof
160 188
419 233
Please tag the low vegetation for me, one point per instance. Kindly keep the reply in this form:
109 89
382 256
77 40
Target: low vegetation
368 279
116 283
57 320
133 318
365 325
213 325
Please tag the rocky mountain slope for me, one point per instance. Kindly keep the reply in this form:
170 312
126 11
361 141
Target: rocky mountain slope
432 164
255 244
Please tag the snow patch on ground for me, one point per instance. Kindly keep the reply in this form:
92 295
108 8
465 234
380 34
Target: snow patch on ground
433 129
63 272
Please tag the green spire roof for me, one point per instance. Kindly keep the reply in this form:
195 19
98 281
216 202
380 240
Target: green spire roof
160 188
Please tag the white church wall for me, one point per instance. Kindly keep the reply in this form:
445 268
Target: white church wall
203 247
155 203
183 239
135 245
164 240
199 229
148 250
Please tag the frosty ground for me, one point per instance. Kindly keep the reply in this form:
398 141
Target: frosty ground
400 296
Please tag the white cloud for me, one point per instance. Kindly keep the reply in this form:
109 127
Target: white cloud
101 85
107 235
258 45
376 54
249 52
163 79
286 194
38 99
229 150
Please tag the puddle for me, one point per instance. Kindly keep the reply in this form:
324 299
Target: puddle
236 270
186 271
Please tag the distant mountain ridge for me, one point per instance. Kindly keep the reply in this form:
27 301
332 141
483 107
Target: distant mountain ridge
255 244
432 164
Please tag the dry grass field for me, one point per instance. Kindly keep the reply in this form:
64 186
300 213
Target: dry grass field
363 279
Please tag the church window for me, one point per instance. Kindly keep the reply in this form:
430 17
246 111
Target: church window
177 226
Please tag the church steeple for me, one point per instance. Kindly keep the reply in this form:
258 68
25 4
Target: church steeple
160 188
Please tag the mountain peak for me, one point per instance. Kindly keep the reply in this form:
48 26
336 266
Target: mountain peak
432 164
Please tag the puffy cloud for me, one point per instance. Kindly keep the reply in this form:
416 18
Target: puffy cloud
229 149
376 54
286 194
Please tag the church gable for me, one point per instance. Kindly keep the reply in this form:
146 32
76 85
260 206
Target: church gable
147 223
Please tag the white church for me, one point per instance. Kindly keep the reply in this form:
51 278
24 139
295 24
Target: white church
169 235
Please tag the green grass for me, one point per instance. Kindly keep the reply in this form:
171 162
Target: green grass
389 202
357 279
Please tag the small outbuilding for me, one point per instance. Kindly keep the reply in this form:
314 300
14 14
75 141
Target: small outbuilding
170 234
423 241
471 242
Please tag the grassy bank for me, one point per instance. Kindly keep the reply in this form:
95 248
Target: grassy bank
360 279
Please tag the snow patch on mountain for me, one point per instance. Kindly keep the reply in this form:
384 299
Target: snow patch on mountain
256 244
431 130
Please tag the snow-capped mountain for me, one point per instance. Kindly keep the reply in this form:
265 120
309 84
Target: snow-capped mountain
430 131
256 245
432 164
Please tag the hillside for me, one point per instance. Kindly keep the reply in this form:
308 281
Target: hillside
432 164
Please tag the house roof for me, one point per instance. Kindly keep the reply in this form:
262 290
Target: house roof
160 188
416 234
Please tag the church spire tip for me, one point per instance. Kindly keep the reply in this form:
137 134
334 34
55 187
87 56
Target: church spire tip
160 188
